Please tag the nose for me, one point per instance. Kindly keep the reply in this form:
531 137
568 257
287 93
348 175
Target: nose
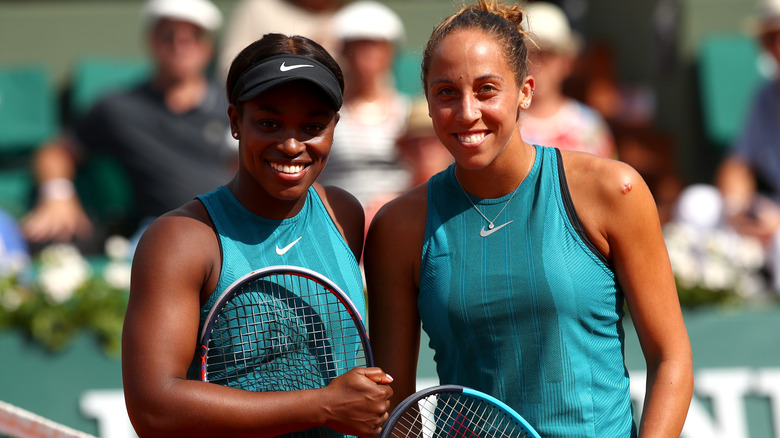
291 146
469 109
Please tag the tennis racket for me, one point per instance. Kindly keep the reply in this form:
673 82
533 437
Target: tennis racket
282 328
451 411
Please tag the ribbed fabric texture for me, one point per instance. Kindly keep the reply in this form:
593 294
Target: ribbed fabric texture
530 313
249 242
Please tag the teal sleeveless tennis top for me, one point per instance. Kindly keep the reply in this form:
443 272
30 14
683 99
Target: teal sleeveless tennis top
309 239
528 311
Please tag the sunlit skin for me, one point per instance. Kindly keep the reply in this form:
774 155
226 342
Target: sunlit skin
282 150
474 101
285 135
182 49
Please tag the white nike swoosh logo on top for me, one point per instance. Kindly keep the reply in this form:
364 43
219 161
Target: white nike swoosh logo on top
292 67
284 250
484 233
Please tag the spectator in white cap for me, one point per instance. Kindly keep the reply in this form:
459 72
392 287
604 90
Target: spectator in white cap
746 195
200 12
170 134
555 119
251 19
365 160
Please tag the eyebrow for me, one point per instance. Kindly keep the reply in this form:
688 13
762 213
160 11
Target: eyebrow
480 78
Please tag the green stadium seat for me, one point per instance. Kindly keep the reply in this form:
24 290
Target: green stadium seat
93 77
729 74
406 71
28 107
29 116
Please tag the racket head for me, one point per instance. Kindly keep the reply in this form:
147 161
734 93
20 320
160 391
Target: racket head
282 328
453 411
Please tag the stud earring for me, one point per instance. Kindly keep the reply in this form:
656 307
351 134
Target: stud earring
235 135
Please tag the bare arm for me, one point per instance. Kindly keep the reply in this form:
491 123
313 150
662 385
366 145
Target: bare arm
623 222
737 184
748 212
392 260
58 214
174 269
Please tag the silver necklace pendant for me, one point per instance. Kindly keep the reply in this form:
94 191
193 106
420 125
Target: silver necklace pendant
491 226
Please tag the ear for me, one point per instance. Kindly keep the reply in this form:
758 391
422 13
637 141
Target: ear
235 118
527 92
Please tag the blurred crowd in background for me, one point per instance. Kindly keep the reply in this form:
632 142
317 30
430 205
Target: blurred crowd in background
125 155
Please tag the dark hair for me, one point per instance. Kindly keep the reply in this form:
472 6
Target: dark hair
272 44
495 18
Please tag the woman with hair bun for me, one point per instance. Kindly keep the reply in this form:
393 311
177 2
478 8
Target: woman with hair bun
517 259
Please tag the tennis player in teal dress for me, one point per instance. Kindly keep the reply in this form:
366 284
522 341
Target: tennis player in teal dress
285 93
518 259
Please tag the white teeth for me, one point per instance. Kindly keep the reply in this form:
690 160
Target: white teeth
286 168
471 138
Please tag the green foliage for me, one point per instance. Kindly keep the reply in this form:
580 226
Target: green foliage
65 297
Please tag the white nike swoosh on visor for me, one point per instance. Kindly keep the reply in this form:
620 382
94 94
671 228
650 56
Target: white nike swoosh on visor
484 233
292 67
283 251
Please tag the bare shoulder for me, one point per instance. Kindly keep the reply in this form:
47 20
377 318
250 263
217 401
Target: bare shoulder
407 212
608 195
398 228
606 179
395 240
188 223
179 246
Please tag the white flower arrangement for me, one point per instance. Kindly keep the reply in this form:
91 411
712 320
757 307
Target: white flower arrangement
714 265
60 294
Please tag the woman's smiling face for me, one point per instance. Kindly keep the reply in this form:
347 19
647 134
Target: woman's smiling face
473 98
285 138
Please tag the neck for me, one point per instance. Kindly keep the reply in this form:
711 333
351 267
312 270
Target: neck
500 177
182 95
257 200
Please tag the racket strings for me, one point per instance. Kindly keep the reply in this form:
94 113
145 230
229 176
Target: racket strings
449 415
284 332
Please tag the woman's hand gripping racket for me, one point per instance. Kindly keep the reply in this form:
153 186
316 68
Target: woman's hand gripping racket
282 328
451 411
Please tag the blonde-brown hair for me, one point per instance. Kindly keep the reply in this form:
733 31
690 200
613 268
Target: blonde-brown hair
495 18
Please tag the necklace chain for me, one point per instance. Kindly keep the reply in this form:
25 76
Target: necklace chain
491 224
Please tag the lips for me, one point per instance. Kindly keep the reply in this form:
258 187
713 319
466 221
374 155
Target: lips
472 138
288 169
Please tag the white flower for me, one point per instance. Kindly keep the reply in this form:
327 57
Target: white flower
717 275
750 253
11 298
117 248
117 274
63 270
684 265
750 286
